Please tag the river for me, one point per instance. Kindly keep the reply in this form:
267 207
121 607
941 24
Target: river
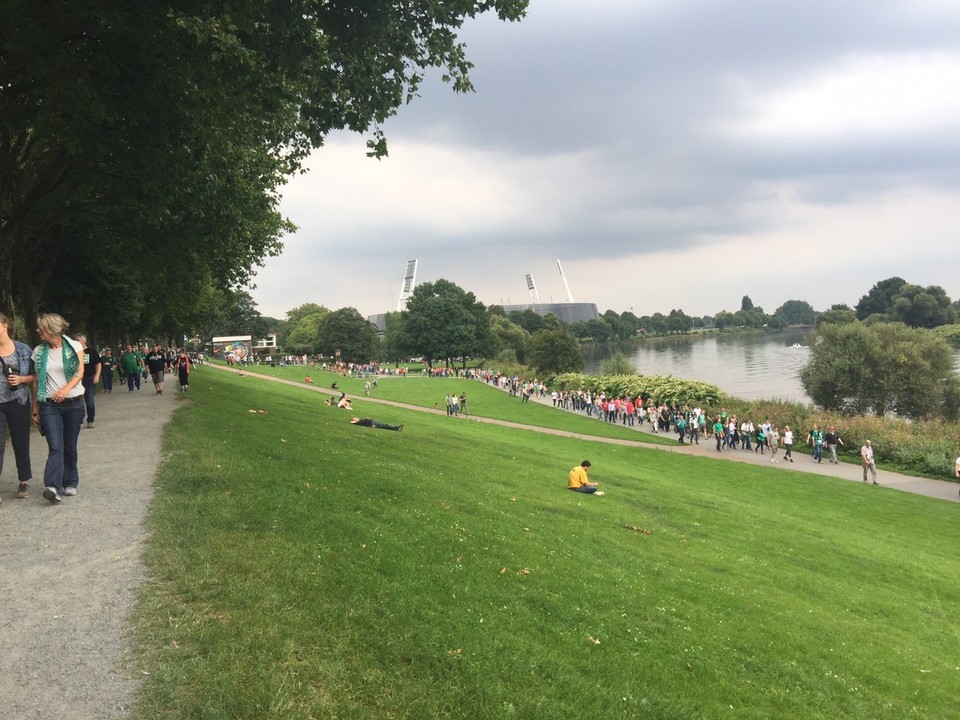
748 366
761 366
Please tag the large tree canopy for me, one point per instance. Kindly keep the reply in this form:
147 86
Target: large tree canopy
554 352
880 298
346 331
442 322
130 130
881 368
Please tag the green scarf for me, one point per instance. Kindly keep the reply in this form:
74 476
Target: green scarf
71 363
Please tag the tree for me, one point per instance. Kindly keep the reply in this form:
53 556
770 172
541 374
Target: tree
678 322
797 312
746 304
881 368
617 364
922 307
509 336
300 330
880 298
527 319
554 352
347 331
836 316
175 125
443 321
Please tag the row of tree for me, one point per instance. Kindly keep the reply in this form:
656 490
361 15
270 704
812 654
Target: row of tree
143 146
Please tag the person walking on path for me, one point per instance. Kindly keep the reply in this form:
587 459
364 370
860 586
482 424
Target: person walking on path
787 443
866 458
58 408
182 364
832 439
91 377
15 395
107 363
131 366
156 363
773 438
815 438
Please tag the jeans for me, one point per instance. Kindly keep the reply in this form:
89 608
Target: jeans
818 452
17 418
133 378
585 489
107 381
89 393
61 424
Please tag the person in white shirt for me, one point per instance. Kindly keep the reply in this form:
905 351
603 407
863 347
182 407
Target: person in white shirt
866 458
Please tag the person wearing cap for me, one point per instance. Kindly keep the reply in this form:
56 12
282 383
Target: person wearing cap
578 480
832 439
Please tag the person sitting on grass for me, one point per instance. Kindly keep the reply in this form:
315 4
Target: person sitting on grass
578 481
367 422
308 380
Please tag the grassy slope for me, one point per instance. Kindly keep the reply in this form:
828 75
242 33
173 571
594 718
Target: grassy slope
483 401
303 567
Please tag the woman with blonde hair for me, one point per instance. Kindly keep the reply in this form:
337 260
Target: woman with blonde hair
59 407
17 368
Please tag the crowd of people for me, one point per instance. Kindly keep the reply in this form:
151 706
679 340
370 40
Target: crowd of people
54 387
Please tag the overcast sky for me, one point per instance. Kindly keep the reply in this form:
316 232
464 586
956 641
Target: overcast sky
670 154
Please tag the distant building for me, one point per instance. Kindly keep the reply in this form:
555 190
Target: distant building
567 312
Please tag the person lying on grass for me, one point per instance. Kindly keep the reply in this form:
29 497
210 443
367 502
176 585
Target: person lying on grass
578 482
367 422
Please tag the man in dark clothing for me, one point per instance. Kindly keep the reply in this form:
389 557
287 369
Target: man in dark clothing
156 363
91 376
367 422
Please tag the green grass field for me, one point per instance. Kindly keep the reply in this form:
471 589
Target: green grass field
483 401
302 567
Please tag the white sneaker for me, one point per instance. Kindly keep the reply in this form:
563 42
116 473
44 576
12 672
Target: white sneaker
599 492
52 495
70 491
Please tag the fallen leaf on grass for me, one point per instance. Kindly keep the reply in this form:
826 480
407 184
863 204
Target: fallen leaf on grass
513 499
258 411
503 570
524 571
592 639
444 506
455 652
639 529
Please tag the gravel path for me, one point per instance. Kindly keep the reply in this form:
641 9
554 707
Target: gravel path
69 573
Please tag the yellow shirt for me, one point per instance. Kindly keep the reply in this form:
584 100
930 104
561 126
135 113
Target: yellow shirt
577 477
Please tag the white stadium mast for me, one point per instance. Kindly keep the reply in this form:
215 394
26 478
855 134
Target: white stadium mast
569 296
532 287
409 280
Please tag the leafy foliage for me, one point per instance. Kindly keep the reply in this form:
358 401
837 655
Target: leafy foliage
797 312
346 331
132 129
554 351
880 298
443 321
659 388
881 368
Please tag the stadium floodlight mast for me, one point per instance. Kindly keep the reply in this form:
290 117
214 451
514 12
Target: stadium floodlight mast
569 296
409 281
532 287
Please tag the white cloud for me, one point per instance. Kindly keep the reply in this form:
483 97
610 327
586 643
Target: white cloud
876 95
